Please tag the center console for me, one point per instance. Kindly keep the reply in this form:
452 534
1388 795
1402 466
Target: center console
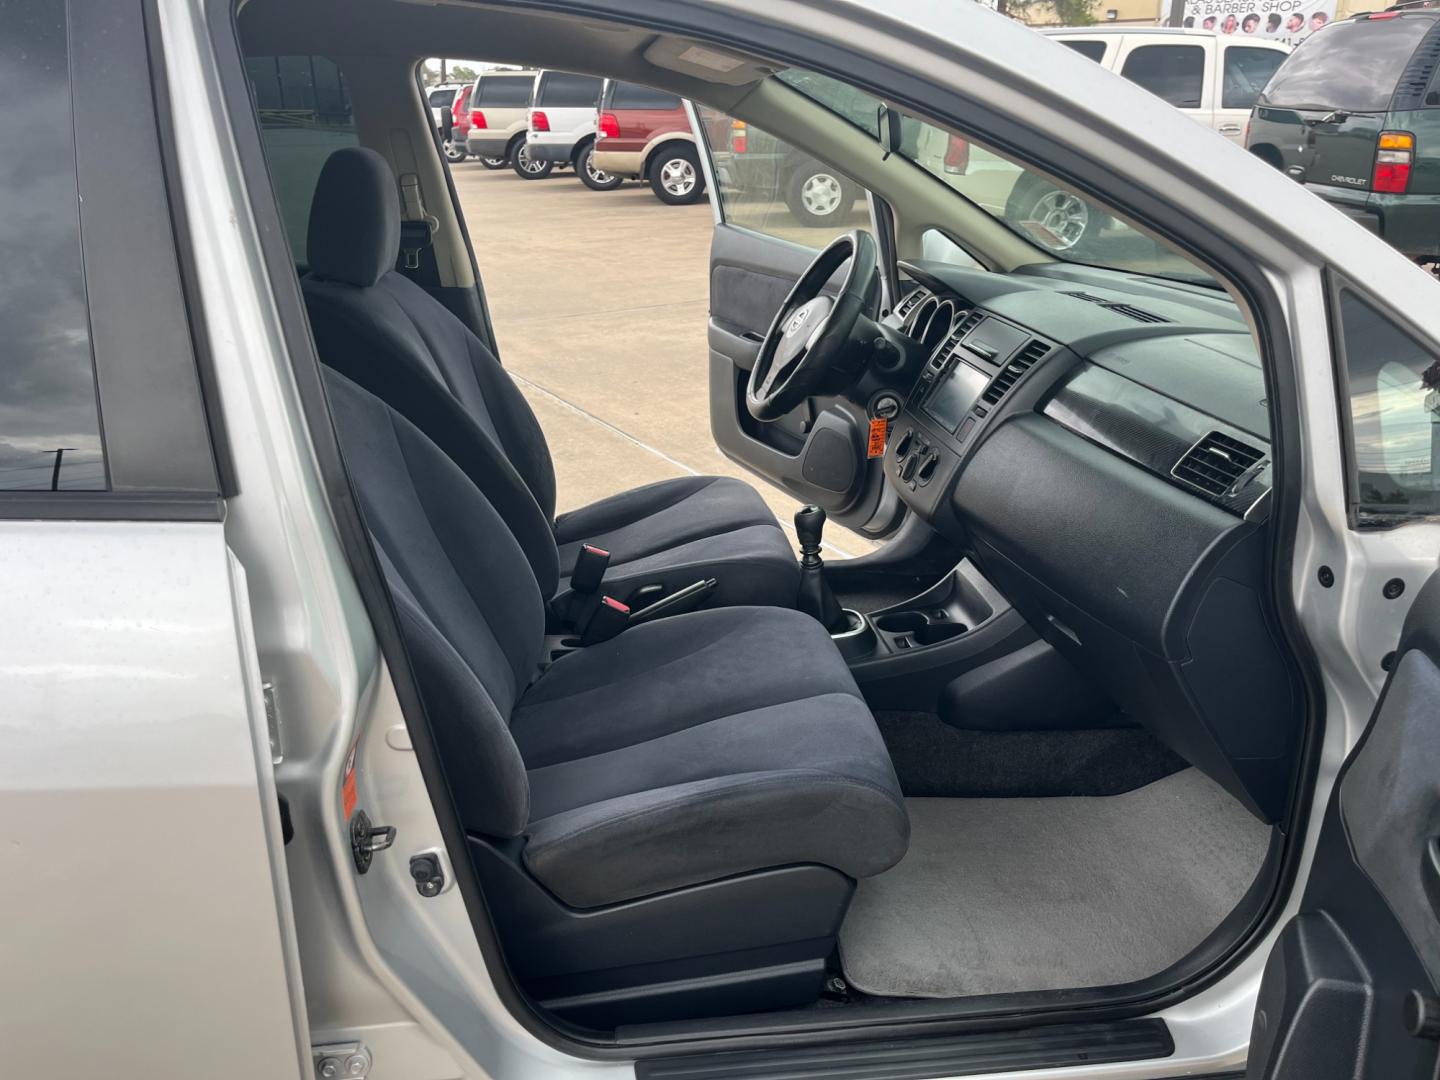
963 385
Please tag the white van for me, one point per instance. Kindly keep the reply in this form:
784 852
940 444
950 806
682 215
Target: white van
1212 78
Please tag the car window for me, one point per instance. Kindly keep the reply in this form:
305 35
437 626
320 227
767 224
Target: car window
305 116
505 93
625 95
767 185
49 419
1173 73
935 246
1067 225
1394 388
1245 75
439 99
1091 50
560 90
1351 65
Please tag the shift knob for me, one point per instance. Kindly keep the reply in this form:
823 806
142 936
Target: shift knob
809 527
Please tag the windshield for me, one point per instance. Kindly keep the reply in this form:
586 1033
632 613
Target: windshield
1349 65
1066 225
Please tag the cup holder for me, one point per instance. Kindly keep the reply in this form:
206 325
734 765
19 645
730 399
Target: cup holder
902 622
915 629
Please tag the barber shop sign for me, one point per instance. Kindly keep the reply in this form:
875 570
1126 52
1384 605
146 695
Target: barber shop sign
1290 21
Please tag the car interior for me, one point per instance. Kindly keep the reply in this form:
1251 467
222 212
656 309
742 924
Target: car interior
1041 746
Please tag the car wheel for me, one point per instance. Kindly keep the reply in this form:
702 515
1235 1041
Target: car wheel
593 178
527 167
675 175
1062 221
818 197
495 162
454 152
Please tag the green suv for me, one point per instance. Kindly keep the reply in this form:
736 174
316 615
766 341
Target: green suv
1354 114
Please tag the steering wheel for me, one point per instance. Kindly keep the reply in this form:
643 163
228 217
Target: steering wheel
807 348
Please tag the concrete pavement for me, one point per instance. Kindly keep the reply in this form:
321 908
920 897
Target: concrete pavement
599 302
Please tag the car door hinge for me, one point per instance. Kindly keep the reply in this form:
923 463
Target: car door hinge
341 1061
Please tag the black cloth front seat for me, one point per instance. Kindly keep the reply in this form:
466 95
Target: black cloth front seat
387 334
686 750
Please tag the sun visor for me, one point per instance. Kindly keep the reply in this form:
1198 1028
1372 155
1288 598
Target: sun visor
707 63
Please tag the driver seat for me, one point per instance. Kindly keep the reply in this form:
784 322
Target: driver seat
384 332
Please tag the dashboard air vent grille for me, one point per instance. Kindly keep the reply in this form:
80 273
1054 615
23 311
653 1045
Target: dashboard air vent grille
911 302
1010 374
968 322
1216 463
1130 311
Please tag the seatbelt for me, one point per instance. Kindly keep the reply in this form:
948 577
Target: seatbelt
417 228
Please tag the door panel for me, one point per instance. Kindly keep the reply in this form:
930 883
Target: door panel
1340 987
817 452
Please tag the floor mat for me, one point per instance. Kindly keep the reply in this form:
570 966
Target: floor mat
1004 895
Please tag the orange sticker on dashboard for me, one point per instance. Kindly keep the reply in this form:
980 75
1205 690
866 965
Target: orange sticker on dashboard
879 429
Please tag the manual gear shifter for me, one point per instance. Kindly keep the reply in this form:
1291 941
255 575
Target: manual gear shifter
815 598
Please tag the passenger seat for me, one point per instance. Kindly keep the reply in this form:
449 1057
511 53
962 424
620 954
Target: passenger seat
387 334
630 789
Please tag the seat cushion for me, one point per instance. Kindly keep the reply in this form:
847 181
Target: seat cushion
699 747
677 532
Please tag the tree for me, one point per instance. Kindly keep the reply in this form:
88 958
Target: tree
1063 12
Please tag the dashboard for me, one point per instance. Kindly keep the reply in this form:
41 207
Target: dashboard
1099 443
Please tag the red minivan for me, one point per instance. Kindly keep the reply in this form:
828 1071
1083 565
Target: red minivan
644 134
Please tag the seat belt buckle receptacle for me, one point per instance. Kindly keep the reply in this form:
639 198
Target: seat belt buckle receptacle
609 618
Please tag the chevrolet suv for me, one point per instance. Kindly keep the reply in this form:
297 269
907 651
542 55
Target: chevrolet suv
1354 115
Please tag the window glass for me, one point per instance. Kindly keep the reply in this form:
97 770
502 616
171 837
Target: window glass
1394 388
511 92
767 185
439 99
1091 50
1173 73
1068 226
49 419
935 246
625 95
1351 65
305 116
1246 73
561 91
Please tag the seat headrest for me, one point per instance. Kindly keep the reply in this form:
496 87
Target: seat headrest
354 233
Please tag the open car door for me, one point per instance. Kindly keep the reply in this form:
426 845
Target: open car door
776 207
1350 989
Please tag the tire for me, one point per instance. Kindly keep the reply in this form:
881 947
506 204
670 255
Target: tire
818 196
1069 221
592 177
496 162
455 153
526 167
675 175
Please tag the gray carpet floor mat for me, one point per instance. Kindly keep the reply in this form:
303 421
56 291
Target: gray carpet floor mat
1004 895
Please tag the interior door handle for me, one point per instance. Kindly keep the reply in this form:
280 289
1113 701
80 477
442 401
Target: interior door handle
1430 873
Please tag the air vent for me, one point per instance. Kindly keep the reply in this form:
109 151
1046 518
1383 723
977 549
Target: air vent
911 302
1216 463
971 320
1130 311
1010 374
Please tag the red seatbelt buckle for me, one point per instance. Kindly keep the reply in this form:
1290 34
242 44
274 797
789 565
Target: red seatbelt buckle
609 618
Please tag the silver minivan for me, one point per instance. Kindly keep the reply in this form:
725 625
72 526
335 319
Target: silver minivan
332 748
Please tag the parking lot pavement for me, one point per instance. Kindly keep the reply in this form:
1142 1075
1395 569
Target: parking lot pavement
599 301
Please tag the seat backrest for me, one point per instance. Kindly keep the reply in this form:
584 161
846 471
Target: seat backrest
364 315
470 610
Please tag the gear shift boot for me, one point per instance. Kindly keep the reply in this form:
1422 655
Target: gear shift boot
816 598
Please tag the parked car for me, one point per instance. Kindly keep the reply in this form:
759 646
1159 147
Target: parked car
1212 78
748 159
441 99
645 134
1353 115
456 147
561 122
332 746
499 111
